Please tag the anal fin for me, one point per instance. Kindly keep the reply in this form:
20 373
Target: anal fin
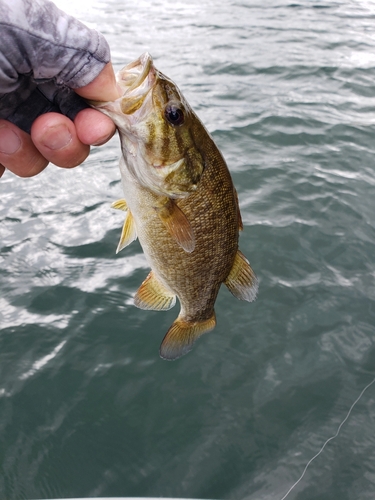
181 336
176 223
152 295
242 281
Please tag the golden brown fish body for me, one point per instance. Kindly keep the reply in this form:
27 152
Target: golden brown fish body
180 203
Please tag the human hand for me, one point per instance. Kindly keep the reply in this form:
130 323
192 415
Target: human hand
55 138
36 77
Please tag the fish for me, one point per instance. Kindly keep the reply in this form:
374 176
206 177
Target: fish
179 201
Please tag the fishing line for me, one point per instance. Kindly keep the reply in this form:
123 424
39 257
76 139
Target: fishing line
328 440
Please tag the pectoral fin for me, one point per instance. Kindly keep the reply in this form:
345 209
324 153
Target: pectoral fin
241 280
128 233
181 336
177 224
152 295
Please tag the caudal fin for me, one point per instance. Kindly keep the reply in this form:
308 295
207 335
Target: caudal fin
181 336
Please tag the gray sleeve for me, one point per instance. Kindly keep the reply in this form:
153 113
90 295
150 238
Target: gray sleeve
43 54
39 40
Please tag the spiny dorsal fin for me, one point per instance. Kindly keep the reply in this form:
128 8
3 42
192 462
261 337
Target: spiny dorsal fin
181 336
120 205
176 223
128 233
152 295
241 280
240 223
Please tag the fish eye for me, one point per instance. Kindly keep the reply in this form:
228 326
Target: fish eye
174 114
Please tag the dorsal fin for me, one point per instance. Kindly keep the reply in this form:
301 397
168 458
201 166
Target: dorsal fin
152 295
242 281
240 223
176 223
181 336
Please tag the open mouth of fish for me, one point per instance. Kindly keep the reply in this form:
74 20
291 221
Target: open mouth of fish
134 74
136 80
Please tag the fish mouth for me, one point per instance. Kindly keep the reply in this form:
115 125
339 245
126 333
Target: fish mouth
135 73
136 80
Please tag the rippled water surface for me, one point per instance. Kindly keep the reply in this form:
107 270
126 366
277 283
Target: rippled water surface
87 408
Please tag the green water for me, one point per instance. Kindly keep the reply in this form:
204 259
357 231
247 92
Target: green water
87 407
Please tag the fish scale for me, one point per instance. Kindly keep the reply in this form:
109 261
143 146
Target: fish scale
180 202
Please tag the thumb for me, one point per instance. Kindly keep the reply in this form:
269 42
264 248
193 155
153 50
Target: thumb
102 88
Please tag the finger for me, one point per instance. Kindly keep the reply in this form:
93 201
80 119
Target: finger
93 127
18 153
56 138
103 88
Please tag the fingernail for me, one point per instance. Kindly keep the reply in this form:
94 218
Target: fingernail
56 137
103 139
10 143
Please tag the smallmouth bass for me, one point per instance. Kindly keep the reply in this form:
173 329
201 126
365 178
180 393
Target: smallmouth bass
179 201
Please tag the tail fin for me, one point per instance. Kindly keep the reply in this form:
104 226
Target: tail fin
181 336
